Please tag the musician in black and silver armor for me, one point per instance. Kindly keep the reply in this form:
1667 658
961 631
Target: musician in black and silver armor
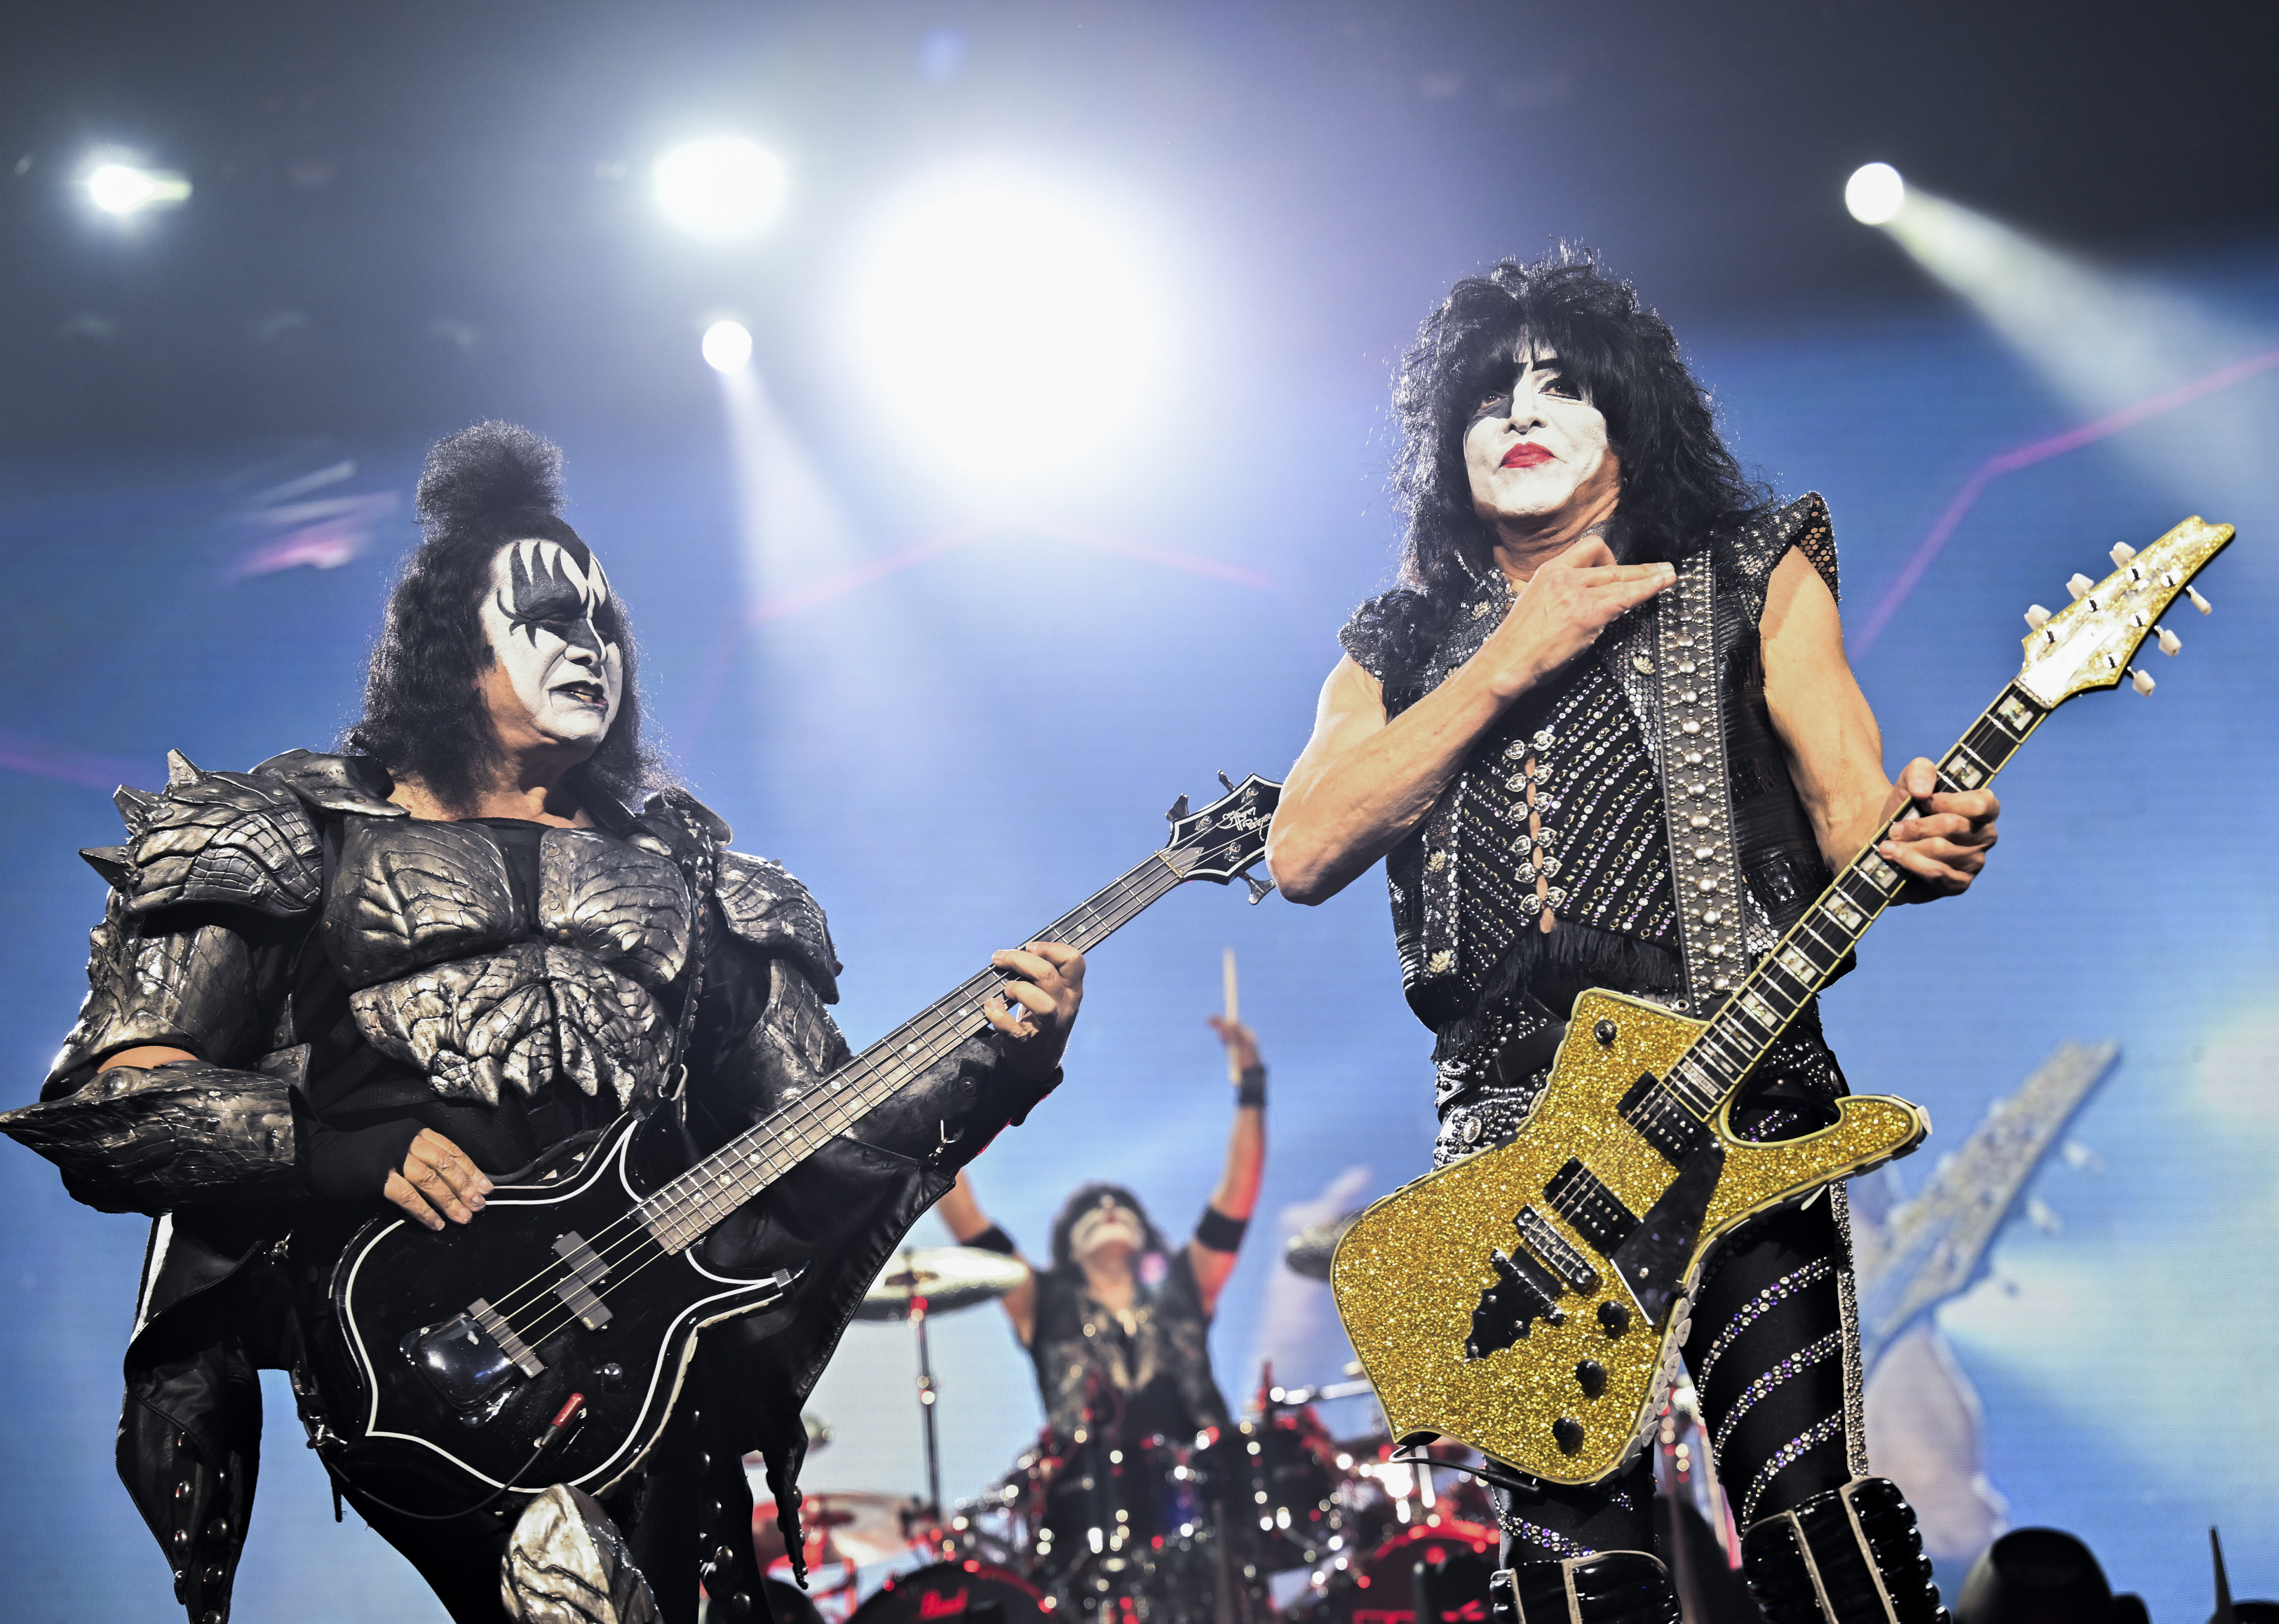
1494 734
396 973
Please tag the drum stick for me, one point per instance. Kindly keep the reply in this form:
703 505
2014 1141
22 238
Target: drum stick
1233 1013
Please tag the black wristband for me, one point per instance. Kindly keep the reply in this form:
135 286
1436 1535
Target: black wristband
353 1164
992 1240
1253 1089
1220 1232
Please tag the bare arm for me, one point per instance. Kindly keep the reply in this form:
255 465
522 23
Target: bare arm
1836 752
964 1215
1362 783
1237 1195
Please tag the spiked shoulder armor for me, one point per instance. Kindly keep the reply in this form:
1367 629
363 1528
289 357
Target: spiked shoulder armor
766 907
236 839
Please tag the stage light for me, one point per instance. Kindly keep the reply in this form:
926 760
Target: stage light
125 188
727 346
1874 194
728 187
1008 316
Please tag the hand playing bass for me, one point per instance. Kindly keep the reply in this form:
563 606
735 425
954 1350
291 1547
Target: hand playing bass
1943 845
437 1174
1049 987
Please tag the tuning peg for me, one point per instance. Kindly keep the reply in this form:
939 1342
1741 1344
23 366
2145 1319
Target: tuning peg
2123 553
1259 890
1178 811
2036 616
2198 602
1226 783
2170 643
2142 681
2079 585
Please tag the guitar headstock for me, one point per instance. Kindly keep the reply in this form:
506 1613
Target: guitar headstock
1218 842
2090 643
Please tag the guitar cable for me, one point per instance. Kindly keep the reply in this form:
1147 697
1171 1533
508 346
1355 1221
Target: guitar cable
570 1412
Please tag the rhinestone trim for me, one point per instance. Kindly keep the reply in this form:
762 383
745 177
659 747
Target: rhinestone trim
1787 1286
1703 861
1847 1306
1544 1539
1789 1453
1795 1365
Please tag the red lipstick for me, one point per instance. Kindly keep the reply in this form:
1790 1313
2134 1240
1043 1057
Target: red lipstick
1525 454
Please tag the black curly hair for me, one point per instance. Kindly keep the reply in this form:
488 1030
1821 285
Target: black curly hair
423 716
1085 1198
1679 483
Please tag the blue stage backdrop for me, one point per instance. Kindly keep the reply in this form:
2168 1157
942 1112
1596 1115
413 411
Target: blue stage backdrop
951 743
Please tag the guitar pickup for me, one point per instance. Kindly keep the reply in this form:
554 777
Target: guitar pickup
1582 1199
586 1271
1662 1122
1572 1268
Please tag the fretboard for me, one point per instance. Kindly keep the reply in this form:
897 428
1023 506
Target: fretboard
1776 990
682 1212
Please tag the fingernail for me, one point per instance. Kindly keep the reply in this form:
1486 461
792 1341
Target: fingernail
489 1186
476 1204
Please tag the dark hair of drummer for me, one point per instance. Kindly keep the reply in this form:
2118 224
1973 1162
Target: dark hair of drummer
1088 1197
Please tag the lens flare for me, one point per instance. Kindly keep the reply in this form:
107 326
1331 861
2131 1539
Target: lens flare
1009 315
727 347
727 187
126 189
1874 194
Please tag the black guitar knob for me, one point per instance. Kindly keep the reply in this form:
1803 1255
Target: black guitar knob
1567 1432
1591 1376
612 1376
1604 1032
1615 1317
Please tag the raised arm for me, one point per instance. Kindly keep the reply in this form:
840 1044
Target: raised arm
1211 1254
1363 782
968 1225
1836 751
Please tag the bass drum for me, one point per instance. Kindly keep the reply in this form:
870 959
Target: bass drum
1457 1558
968 1592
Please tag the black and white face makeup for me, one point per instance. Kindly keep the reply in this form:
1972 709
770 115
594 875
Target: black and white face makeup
539 616
1110 1226
1531 446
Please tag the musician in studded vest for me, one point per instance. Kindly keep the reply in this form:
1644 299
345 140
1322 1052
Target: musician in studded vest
395 974
1507 731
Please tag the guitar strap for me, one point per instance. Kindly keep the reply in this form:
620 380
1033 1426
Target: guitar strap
699 865
1705 868
1697 790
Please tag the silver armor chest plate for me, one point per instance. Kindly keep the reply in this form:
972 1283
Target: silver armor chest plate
450 971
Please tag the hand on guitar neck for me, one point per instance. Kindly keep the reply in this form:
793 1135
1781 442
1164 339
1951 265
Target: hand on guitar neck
1943 845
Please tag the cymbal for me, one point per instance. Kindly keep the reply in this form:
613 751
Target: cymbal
948 1278
861 1529
1309 1251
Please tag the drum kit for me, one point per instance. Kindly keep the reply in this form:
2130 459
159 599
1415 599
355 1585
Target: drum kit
1271 1516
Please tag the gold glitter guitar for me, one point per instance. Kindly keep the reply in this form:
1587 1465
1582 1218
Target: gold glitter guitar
1531 1300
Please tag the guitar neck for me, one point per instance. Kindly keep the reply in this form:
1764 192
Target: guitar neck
1774 993
683 1211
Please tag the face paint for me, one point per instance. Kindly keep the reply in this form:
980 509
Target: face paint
1529 450
539 616
1109 1223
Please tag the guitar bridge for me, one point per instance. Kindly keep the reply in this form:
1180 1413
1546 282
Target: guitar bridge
1521 1295
1570 1265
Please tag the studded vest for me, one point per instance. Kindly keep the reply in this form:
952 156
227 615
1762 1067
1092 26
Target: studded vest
1559 809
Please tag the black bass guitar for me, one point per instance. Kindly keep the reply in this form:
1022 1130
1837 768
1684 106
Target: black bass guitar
546 1342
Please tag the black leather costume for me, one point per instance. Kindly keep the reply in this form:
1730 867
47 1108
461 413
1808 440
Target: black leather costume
347 975
1774 1349
1155 1379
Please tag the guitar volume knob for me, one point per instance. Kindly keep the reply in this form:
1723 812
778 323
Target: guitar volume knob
1567 1432
1614 1318
1604 1032
1591 1376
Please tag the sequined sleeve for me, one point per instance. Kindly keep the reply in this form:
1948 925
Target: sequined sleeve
1748 556
1382 634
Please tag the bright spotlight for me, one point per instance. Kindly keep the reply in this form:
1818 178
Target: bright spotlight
727 346
1009 318
719 189
1874 193
123 188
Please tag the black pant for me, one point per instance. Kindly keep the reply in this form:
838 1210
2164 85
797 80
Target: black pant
1766 1356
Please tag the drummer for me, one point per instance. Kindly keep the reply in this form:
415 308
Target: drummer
1117 1328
